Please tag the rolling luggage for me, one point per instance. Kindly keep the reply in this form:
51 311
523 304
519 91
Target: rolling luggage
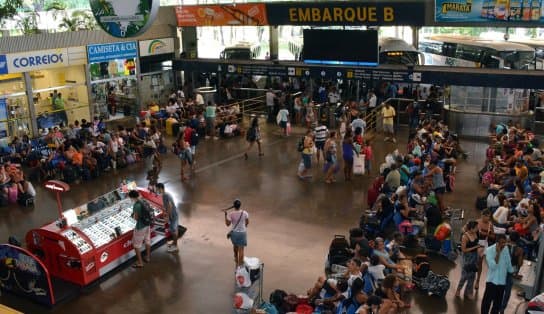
359 164
339 252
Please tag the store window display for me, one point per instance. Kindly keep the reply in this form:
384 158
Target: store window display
112 68
59 96
14 112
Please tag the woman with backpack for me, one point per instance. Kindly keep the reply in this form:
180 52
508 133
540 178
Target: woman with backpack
253 136
239 220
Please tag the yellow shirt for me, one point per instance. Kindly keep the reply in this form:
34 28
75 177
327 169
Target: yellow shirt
388 114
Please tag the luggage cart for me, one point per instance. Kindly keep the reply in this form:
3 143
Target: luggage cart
255 292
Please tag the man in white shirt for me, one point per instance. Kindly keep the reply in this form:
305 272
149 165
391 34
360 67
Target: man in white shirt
199 99
359 123
270 97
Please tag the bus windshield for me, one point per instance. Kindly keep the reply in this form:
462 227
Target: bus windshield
400 57
237 53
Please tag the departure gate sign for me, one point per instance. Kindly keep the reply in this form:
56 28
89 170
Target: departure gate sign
369 13
346 13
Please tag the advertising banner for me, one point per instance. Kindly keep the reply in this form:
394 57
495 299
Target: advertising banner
251 14
156 47
125 18
371 13
23 274
106 52
499 11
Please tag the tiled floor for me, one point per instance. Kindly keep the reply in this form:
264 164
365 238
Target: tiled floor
292 223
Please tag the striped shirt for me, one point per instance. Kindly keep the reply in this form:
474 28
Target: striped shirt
320 133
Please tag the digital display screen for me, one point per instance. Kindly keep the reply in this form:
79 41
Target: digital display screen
341 47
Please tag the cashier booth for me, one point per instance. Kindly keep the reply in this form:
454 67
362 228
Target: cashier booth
88 242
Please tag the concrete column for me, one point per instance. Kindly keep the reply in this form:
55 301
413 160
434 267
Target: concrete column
31 107
189 42
274 47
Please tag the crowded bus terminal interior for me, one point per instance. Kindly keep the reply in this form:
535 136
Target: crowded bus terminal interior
272 157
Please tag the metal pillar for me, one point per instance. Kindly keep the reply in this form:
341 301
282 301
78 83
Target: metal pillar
31 107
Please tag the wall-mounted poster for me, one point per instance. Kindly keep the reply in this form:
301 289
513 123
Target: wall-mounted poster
479 11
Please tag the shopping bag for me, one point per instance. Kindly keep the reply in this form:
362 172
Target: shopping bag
242 277
359 164
242 301
288 128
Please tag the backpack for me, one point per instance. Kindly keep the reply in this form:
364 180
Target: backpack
339 252
300 145
435 284
277 298
147 213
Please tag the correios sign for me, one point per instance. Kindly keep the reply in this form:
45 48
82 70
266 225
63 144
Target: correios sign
125 18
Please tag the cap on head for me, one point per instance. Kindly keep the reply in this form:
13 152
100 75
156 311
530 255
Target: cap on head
237 204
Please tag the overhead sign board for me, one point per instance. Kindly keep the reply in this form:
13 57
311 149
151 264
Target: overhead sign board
106 52
485 11
125 18
42 59
251 14
156 47
369 13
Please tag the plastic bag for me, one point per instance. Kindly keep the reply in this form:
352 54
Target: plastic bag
359 165
242 301
242 277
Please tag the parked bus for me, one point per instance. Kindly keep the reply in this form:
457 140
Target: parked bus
397 51
240 51
463 51
538 46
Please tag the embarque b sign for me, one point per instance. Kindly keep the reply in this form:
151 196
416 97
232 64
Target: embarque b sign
125 18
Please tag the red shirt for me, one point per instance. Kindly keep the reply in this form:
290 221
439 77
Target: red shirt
187 134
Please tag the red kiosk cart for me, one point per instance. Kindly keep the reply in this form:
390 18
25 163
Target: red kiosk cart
85 244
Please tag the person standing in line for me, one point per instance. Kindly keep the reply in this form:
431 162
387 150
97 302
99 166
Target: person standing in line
348 149
239 220
320 134
307 152
270 98
211 111
469 247
283 119
142 230
173 217
331 161
388 115
499 264
516 253
254 136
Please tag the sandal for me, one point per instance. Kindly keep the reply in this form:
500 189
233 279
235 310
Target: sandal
147 260
137 266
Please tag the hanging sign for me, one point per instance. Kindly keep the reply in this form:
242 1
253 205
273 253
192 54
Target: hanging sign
125 18
252 14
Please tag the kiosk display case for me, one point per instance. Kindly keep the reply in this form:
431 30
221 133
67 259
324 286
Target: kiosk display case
81 247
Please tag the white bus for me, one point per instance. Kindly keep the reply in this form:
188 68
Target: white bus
464 51
397 51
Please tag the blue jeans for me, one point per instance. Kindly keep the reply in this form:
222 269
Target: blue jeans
507 291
